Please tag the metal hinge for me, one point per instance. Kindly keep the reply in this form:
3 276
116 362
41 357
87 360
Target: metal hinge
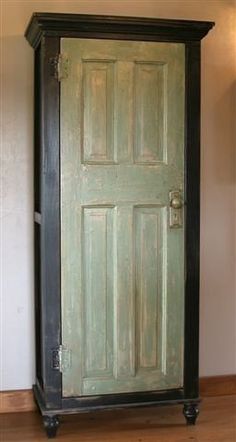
60 66
61 358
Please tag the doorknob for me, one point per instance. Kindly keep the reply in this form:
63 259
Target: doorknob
176 202
175 212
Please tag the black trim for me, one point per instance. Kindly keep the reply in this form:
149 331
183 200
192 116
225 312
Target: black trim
37 132
37 208
37 301
114 27
50 220
111 401
192 227
124 399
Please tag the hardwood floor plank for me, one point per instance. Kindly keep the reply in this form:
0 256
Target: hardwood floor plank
216 423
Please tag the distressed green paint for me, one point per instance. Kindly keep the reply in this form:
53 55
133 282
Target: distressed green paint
125 101
97 292
150 92
124 362
150 291
122 151
98 108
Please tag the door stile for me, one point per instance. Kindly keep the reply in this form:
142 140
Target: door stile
192 234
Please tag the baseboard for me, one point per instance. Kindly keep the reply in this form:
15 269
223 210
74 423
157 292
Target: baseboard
218 385
16 401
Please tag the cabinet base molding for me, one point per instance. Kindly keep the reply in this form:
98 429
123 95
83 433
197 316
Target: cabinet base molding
16 401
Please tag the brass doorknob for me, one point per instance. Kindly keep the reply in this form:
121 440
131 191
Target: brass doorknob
176 203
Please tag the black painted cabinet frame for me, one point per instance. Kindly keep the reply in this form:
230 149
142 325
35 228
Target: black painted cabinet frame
43 33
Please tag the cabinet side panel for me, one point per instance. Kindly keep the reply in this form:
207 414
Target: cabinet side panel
50 221
37 208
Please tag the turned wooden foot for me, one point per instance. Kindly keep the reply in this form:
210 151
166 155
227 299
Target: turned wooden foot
191 413
51 424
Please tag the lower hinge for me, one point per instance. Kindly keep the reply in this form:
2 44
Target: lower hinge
59 67
61 358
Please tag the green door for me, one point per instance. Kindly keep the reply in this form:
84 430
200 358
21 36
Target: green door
122 152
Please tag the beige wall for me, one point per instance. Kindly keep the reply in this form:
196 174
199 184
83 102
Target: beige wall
218 235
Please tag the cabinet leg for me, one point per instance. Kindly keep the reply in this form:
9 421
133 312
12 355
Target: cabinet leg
191 412
51 424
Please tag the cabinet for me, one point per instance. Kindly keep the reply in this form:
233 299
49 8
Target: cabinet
117 154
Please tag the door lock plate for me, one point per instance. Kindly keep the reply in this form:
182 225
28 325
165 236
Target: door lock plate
176 209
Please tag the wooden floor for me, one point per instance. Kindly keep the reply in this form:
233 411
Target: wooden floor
216 423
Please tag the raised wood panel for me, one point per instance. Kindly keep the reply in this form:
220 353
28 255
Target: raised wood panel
150 112
150 288
97 290
98 111
124 363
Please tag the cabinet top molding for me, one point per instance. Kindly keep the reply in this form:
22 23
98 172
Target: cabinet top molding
114 27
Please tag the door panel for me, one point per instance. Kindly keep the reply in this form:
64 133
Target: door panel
98 109
150 112
97 274
122 151
150 246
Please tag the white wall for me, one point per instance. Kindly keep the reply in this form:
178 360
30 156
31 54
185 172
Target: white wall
218 268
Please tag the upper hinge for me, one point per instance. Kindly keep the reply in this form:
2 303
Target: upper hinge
60 66
61 358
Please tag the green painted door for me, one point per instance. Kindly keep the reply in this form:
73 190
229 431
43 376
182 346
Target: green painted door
122 152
